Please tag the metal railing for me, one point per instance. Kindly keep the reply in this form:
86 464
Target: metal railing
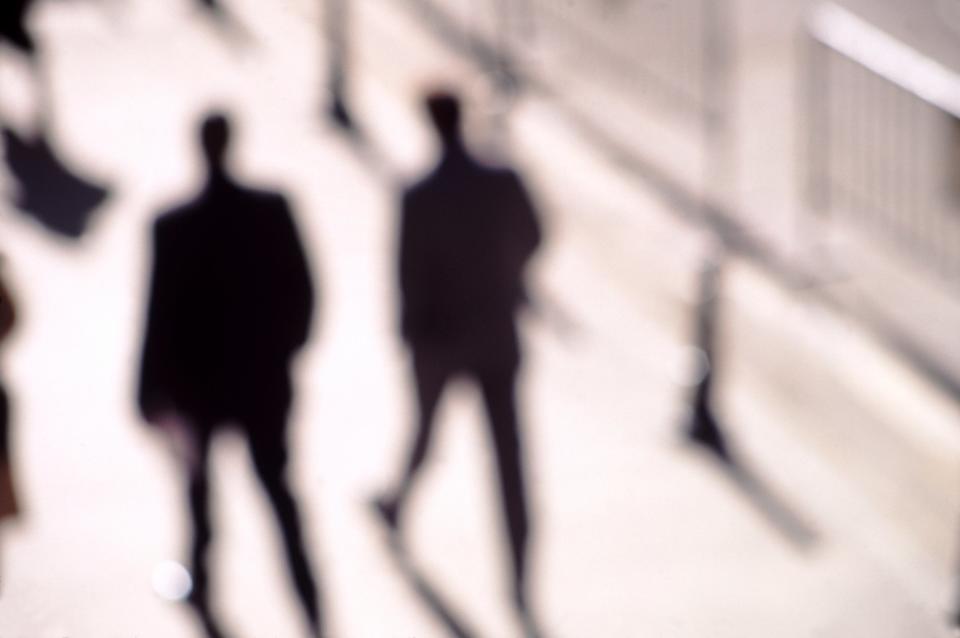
883 141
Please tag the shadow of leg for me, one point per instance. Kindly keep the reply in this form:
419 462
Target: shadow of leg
431 378
199 497
270 470
499 395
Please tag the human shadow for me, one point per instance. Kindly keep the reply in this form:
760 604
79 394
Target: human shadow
705 431
230 304
467 234
47 190
337 31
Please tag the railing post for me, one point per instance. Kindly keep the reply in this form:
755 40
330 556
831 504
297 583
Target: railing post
816 94
716 79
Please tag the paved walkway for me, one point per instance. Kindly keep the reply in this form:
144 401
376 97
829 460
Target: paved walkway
635 534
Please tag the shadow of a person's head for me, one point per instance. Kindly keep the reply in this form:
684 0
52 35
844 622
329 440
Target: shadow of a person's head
443 109
215 139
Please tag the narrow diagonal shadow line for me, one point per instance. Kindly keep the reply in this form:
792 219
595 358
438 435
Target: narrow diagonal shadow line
771 507
723 222
370 155
428 593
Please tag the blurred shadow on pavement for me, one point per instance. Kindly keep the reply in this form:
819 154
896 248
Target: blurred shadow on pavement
426 591
707 433
48 191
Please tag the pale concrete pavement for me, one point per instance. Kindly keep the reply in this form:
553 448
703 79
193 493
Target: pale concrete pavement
635 535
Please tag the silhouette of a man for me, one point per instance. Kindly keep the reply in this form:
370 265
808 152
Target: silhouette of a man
467 233
230 304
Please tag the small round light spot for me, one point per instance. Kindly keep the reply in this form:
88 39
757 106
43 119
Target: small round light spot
689 366
171 581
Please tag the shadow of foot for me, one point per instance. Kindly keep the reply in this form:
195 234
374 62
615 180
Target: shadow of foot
210 624
704 431
340 115
387 512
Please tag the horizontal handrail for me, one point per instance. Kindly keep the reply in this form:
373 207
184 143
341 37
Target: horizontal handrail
857 39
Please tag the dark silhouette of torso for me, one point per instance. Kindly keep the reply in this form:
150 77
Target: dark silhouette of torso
231 302
467 232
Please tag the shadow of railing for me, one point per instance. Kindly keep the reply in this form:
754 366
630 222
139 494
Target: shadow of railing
427 592
772 508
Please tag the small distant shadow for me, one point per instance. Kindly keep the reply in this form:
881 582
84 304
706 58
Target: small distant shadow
48 191
426 591
771 507
706 432
370 156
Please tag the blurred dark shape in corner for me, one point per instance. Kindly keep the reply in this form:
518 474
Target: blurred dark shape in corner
467 233
9 506
230 304
60 200
705 430
48 191
337 26
13 25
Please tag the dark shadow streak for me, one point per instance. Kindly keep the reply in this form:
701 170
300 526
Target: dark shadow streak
767 503
426 591
370 156
707 432
608 57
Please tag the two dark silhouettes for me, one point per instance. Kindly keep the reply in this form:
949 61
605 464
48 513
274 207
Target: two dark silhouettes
230 304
